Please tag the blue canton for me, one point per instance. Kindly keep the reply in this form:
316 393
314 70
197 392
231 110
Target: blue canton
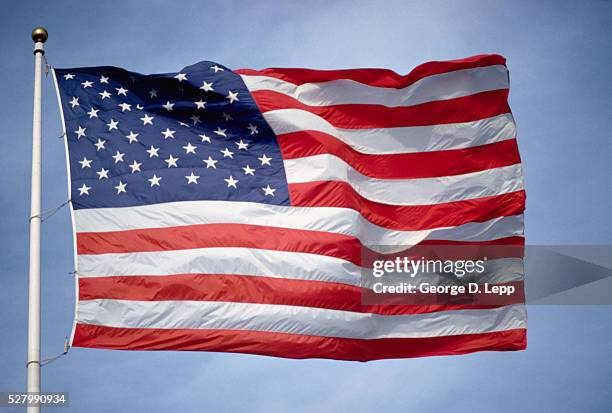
142 139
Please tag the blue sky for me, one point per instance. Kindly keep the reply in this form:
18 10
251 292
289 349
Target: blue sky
560 58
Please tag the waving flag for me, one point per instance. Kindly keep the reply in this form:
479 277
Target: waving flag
226 210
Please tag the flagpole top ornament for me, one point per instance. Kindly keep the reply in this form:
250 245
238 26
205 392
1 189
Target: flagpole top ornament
40 34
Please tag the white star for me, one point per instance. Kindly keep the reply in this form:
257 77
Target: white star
210 163
153 152
125 106
180 77
135 166
147 119
168 106
154 180
232 96
84 190
152 93
192 179
121 91
120 188
103 79
204 138
85 163
171 161
168 133
253 129
221 132
200 104
112 125
227 116
105 95
227 153
217 68
86 84
268 191
231 182
80 132
132 137
248 170
242 145
93 113
207 87
195 119
102 174
118 157
100 144
68 76
74 102
265 160
189 148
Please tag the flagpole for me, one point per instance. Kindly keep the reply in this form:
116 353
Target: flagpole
39 36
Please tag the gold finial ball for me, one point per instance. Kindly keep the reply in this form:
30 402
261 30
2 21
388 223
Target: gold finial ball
40 34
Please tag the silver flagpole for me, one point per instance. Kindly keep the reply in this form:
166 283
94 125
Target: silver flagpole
39 35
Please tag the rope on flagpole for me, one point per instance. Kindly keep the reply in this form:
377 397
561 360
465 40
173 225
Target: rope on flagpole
47 66
47 69
44 215
50 360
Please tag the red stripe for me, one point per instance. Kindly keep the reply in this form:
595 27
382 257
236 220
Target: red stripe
354 116
220 235
376 77
278 291
406 217
402 165
294 345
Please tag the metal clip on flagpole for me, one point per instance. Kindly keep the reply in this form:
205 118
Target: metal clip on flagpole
39 36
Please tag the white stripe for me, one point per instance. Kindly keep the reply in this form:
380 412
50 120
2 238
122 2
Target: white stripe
344 91
512 226
295 319
398 140
242 261
502 271
227 260
421 191
336 220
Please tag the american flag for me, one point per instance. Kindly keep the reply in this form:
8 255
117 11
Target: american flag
226 210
